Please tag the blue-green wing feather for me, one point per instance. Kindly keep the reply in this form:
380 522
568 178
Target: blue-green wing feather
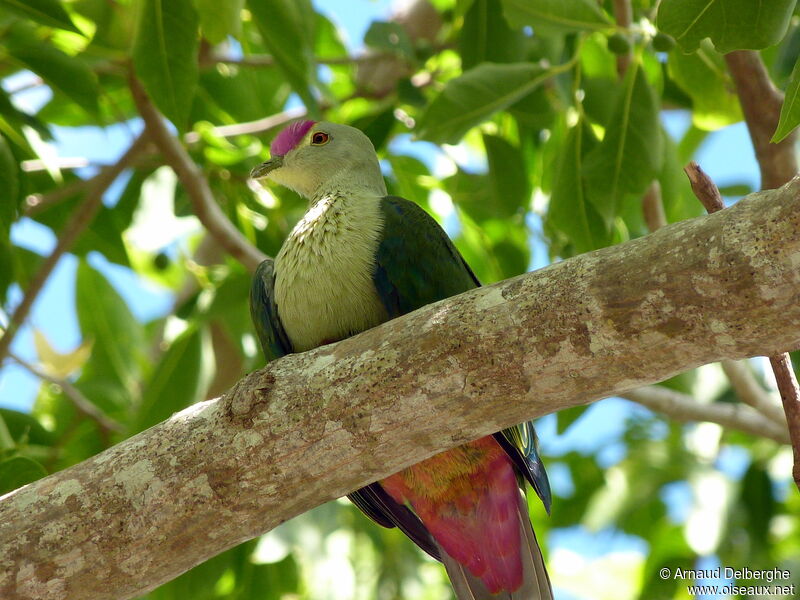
264 313
418 264
379 506
522 444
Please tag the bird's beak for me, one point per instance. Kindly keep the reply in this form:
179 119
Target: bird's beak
264 169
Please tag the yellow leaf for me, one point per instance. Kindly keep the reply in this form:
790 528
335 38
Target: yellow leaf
59 364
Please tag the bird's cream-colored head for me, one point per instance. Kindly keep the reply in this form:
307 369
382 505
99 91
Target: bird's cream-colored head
321 158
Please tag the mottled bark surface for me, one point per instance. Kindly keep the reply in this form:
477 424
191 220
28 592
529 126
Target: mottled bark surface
314 426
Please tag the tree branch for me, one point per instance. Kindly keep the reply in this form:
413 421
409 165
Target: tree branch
790 395
266 60
37 202
750 392
623 15
79 401
250 127
761 104
781 364
704 188
685 409
78 222
313 426
195 183
653 207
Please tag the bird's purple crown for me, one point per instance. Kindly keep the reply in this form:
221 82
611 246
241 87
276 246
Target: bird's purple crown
289 137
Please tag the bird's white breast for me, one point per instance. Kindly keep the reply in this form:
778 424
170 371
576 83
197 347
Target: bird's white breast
323 273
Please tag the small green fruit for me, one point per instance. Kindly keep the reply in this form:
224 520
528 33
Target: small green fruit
619 43
663 42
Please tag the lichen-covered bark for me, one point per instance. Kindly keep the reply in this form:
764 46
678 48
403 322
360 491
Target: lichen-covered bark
317 425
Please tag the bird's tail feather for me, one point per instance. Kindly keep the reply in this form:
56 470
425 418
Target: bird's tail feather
535 581
465 584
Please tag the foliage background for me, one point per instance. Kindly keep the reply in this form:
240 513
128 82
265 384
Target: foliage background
551 116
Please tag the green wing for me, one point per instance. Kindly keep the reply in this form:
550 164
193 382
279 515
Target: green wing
522 444
418 264
264 312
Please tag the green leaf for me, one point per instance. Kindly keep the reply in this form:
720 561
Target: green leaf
471 193
199 583
705 79
180 379
630 154
679 201
565 418
7 267
391 38
285 29
479 93
17 118
67 74
790 111
486 37
736 189
569 210
408 174
106 319
376 126
25 429
218 19
328 41
46 12
556 15
9 183
512 254
165 56
18 471
508 176
759 504
104 235
115 22
731 24
7 442
244 94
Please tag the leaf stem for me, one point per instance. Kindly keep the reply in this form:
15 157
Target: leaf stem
81 402
195 183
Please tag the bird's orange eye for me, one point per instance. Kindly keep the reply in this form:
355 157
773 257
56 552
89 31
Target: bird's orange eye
320 138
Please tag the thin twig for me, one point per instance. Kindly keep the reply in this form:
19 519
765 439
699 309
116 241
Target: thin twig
750 392
652 204
26 85
78 222
623 14
62 163
790 396
684 408
81 402
653 207
266 60
761 104
708 193
195 183
705 189
36 203
250 127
